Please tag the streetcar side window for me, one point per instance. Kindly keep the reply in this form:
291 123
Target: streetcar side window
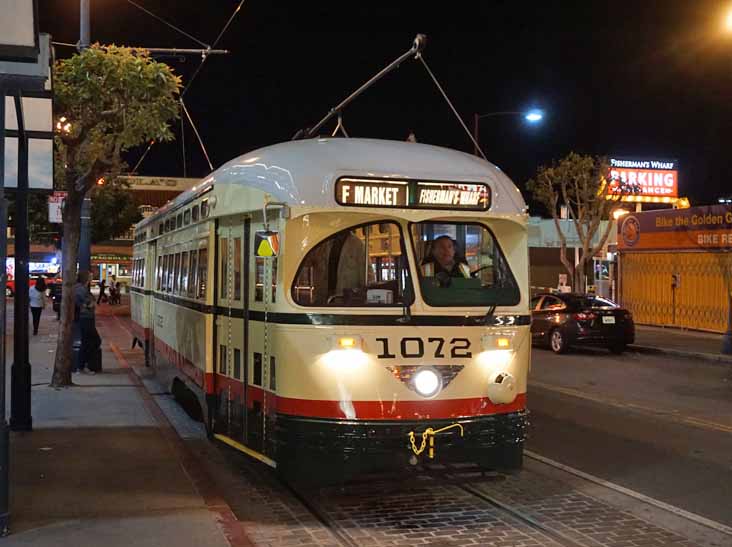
222 359
202 272
237 363
176 274
237 268
160 271
194 213
187 217
184 273
194 270
224 253
164 286
141 272
360 266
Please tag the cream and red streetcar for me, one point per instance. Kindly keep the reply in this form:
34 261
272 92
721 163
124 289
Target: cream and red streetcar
343 305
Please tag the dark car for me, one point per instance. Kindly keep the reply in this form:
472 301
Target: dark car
562 320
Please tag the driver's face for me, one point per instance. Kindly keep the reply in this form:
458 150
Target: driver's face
444 251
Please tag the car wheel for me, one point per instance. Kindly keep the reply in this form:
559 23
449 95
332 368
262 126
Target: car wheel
617 348
557 341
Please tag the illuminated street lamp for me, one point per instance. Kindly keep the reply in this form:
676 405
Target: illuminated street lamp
532 116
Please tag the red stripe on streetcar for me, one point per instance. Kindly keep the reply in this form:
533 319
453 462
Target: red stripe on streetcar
180 362
398 410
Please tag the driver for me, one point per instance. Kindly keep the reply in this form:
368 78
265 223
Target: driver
442 259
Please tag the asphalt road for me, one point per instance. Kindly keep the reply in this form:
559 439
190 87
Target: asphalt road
659 425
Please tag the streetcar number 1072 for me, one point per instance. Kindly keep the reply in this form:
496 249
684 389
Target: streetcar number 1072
414 348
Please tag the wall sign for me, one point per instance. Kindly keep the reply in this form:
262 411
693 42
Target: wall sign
655 178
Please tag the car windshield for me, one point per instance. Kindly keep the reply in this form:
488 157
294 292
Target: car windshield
461 264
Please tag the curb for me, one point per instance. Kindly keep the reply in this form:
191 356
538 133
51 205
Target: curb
712 357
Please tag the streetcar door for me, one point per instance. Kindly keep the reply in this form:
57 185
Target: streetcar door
265 247
230 328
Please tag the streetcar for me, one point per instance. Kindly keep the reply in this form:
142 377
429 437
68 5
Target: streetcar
336 306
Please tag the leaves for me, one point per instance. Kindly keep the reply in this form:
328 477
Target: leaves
113 210
115 98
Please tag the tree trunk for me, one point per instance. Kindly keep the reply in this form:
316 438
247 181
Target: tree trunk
70 242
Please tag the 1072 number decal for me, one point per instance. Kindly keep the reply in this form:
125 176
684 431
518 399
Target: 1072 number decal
414 348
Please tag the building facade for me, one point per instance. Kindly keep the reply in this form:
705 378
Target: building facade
676 266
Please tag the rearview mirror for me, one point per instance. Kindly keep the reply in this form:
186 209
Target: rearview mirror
266 244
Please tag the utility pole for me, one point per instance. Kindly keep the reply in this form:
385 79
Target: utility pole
20 372
85 236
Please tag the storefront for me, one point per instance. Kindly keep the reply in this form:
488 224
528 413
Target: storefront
676 266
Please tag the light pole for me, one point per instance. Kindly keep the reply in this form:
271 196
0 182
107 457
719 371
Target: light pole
531 116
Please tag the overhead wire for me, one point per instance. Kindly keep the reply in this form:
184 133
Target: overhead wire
171 25
204 57
442 91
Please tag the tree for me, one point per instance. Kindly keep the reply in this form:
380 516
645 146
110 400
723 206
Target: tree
579 183
113 210
108 99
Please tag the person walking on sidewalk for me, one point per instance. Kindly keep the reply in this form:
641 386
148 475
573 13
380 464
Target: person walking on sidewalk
85 316
102 288
37 298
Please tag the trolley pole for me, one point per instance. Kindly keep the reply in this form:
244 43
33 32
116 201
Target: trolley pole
4 430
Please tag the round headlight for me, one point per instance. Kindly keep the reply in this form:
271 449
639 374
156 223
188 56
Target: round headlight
427 382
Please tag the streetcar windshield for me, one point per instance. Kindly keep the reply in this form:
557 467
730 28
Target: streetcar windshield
461 264
360 266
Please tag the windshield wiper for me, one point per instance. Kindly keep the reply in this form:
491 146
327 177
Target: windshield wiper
489 313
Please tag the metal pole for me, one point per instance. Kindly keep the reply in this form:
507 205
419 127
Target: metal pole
85 235
4 430
84 25
20 373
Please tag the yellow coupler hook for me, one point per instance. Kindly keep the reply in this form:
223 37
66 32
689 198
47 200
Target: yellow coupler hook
430 433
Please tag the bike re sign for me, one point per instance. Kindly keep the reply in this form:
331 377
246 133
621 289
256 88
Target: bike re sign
654 178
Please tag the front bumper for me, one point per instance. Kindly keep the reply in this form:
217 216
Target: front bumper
382 444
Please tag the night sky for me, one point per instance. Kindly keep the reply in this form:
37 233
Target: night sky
645 78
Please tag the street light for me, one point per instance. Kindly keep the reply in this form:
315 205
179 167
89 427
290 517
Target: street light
532 116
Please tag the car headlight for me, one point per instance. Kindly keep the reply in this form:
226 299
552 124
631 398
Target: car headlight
427 382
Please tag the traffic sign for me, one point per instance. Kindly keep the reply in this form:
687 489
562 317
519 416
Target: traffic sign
56 207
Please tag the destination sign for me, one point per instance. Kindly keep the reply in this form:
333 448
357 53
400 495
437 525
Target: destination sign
415 194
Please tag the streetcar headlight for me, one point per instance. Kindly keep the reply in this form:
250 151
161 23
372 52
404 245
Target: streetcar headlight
427 382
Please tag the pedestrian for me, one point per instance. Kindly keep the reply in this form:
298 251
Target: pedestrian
102 288
37 297
84 315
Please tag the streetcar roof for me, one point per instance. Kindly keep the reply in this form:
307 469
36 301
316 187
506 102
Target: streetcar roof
304 172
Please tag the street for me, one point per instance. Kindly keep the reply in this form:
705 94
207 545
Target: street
659 425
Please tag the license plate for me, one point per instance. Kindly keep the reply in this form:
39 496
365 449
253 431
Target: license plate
608 319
